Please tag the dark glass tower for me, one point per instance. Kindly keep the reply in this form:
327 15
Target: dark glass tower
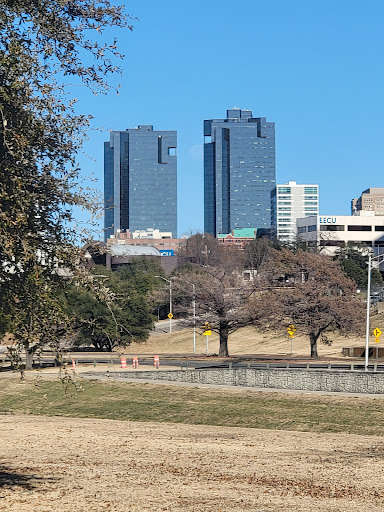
140 180
239 172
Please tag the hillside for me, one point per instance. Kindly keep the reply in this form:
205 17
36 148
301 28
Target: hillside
248 341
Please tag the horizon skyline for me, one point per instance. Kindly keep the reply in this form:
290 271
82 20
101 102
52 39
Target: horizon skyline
315 70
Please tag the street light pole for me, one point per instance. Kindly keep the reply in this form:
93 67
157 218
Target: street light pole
193 309
170 300
170 306
194 319
368 311
370 258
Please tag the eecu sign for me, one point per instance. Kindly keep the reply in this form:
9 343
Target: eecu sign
327 220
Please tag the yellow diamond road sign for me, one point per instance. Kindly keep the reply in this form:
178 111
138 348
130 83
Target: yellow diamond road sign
170 315
377 332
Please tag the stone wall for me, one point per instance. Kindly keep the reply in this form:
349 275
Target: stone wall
305 380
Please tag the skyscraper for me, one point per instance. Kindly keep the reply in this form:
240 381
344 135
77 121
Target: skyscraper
239 172
140 180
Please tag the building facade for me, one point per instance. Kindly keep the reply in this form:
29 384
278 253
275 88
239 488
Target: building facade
162 241
239 172
330 232
140 180
371 200
290 202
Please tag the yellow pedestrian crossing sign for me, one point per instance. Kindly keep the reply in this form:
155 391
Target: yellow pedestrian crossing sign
291 329
377 332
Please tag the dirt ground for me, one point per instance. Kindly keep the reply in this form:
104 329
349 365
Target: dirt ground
64 464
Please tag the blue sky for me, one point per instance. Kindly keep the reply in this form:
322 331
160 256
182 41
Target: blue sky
314 68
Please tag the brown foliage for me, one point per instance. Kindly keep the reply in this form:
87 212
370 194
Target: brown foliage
312 292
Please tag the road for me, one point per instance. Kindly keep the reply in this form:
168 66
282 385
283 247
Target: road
201 363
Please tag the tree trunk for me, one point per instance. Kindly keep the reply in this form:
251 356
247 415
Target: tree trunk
313 339
28 356
223 350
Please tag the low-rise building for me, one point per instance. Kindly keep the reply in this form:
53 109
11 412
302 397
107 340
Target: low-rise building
330 232
239 237
162 241
114 256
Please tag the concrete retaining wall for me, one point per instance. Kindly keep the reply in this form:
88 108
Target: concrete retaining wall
305 380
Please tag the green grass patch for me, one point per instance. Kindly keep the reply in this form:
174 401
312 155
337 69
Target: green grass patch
197 406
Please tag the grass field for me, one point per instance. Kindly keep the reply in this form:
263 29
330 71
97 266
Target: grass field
195 406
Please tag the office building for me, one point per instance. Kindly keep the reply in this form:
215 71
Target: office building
330 232
290 202
140 180
371 200
239 172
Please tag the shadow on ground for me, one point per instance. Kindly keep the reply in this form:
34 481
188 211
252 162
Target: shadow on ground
10 479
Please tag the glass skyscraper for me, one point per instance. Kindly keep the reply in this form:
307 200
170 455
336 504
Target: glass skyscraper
140 180
239 172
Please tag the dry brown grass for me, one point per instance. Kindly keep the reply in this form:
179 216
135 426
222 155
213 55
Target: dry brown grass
247 341
66 464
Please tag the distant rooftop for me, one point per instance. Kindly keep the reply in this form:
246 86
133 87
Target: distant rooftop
374 190
241 233
133 250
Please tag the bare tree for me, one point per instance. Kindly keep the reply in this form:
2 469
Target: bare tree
222 289
312 292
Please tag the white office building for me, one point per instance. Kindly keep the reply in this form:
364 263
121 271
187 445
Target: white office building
329 232
290 202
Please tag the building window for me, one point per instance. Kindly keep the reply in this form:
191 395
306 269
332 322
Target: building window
310 203
312 228
359 243
310 209
331 243
310 190
359 228
379 228
286 209
302 229
172 151
332 227
284 190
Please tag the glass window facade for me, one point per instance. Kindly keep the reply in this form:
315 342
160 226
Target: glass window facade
239 172
290 199
140 180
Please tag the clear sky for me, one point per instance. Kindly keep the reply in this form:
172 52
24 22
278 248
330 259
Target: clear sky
315 68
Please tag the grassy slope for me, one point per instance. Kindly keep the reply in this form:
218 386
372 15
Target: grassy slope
237 408
248 341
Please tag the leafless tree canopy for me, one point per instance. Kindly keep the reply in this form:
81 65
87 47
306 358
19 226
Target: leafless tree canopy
312 292
265 286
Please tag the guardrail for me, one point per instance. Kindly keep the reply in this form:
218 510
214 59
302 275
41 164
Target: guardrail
374 367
